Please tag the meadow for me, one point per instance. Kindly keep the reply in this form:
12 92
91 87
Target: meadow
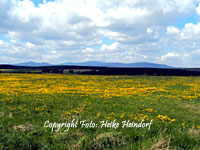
28 100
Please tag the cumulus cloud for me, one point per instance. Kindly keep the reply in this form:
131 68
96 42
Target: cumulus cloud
188 38
169 55
64 30
111 47
149 30
172 30
198 9
1 42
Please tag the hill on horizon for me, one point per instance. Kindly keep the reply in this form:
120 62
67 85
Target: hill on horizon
121 65
99 64
33 64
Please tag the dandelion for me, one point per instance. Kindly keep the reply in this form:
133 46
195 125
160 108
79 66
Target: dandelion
183 124
172 120
98 115
108 118
122 116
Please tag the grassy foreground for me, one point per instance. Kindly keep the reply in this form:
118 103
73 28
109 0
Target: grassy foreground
32 104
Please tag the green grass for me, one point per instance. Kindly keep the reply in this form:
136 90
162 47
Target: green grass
20 70
23 113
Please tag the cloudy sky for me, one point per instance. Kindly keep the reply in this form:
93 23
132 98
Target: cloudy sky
57 31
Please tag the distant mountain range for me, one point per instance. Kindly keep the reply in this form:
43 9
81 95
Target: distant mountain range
122 65
33 64
100 64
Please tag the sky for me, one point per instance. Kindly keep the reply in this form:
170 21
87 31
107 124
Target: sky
128 31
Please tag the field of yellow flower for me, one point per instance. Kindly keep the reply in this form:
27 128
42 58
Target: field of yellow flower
28 100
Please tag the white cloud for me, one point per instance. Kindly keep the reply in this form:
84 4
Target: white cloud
195 28
169 55
1 42
29 45
188 38
110 47
172 30
73 29
88 50
198 9
149 30
23 10
80 19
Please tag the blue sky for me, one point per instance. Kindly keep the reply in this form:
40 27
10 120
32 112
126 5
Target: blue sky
57 31
37 2
193 18
4 38
107 41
